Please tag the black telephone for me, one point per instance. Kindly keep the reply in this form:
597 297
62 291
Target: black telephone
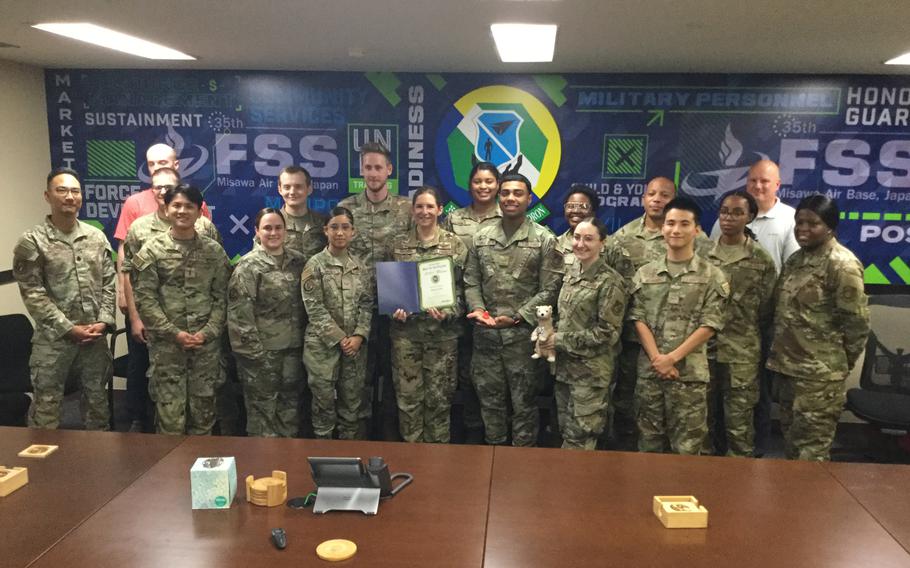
378 473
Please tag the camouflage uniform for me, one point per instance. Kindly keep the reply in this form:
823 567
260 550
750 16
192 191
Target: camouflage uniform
564 247
67 279
736 351
265 323
182 286
378 225
674 307
592 304
465 222
338 296
306 235
140 231
424 350
821 322
510 277
149 226
630 248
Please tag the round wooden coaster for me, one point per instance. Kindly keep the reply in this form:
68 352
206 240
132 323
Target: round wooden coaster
336 550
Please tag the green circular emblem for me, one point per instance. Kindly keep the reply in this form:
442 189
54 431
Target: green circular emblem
220 501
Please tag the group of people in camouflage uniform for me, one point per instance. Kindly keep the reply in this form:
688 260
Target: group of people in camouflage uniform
658 329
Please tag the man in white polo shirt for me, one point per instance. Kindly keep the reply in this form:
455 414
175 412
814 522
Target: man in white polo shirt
773 228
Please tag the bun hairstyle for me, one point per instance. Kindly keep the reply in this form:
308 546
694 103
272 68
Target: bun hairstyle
823 206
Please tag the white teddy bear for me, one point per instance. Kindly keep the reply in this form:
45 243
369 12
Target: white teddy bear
542 332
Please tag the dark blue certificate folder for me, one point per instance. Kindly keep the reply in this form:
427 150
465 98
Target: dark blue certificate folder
396 285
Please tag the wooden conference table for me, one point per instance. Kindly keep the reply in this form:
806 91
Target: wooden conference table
468 506
558 508
85 473
440 516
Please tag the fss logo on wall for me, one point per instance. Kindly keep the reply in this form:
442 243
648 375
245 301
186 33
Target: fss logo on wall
503 125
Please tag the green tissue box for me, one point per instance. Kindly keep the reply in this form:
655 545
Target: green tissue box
213 482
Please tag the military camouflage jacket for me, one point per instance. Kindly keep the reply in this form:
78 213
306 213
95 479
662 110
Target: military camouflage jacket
752 275
377 226
181 286
338 296
305 233
592 304
512 276
674 307
564 247
422 327
65 279
633 246
151 225
821 319
265 309
465 223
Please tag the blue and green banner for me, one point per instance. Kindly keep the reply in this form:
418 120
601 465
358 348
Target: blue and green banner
848 137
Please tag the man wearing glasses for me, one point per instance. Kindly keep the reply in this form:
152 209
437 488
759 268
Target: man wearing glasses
68 284
138 205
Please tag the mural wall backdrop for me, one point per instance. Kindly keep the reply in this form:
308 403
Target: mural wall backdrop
846 136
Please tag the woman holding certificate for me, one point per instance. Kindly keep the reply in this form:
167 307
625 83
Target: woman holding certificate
425 344
338 296
592 303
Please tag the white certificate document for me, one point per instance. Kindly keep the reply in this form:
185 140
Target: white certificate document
436 282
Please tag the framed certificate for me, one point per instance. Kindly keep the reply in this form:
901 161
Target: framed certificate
415 286
436 283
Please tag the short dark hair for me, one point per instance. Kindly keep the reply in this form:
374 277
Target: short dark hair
293 170
823 206
191 193
60 171
515 177
335 212
375 148
268 211
685 204
483 167
598 224
585 190
166 170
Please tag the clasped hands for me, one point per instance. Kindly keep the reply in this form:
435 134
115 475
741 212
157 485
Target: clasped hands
190 341
665 367
350 345
87 333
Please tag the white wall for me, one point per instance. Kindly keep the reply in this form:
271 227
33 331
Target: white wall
24 163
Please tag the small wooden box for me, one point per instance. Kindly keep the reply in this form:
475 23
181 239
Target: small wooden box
12 478
680 512
40 451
